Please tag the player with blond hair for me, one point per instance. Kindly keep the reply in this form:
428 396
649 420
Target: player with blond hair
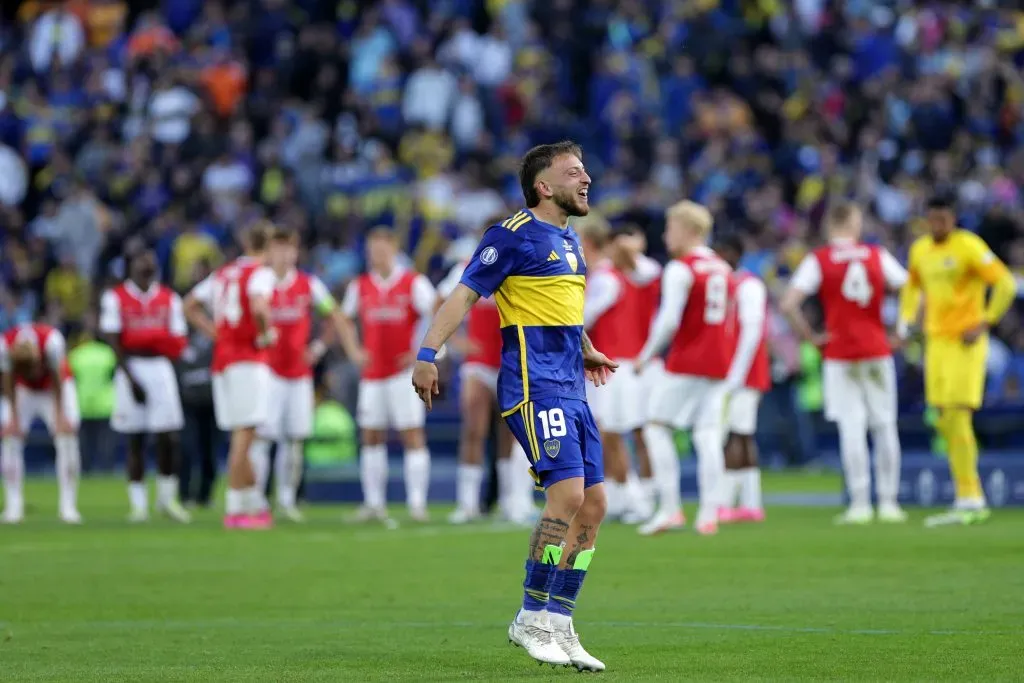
951 271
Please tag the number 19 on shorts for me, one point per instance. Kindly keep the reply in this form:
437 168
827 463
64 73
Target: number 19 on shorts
552 423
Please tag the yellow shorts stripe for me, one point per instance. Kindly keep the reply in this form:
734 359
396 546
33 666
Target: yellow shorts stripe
531 433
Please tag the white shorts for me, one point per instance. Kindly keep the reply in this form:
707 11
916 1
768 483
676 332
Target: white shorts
390 402
685 402
39 404
241 395
484 373
652 375
619 405
162 410
862 392
743 405
290 412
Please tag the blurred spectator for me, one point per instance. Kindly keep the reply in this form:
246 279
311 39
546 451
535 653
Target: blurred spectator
67 290
57 39
194 250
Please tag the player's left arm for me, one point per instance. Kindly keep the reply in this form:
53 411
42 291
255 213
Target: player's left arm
425 303
195 304
55 354
910 295
12 428
260 289
342 326
676 281
751 299
602 292
177 327
997 276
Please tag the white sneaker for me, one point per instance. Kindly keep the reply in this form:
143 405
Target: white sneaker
138 515
891 513
70 516
856 516
12 516
366 514
462 516
175 511
567 639
419 514
532 631
292 513
664 520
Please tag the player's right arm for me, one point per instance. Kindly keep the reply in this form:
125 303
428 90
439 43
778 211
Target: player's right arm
196 304
804 283
260 289
602 292
998 277
676 281
496 257
911 294
110 332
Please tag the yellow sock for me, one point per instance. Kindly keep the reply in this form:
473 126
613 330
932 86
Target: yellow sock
963 454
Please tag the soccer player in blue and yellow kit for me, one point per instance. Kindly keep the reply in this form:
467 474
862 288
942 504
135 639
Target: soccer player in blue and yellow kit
951 270
533 265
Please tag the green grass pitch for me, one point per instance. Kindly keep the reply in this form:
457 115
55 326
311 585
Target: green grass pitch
794 599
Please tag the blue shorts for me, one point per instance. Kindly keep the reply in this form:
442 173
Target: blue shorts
561 439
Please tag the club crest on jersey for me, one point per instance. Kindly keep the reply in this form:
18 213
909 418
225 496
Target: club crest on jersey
488 256
551 448
570 258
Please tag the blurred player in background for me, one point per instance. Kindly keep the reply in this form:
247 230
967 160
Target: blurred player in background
858 373
38 384
297 295
392 304
748 379
143 322
477 402
614 318
696 297
953 269
239 295
533 266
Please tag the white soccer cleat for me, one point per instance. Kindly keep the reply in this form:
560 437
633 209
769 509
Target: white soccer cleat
419 514
12 517
533 632
664 520
461 516
958 517
292 513
70 516
855 516
366 514
891 513
138 516
567 639
174 510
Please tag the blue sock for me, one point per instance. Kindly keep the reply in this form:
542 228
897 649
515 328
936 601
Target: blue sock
567 584
539 577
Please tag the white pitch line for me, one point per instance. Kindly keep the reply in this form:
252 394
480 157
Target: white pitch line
189 624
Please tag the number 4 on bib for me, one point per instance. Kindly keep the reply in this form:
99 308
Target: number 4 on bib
856 287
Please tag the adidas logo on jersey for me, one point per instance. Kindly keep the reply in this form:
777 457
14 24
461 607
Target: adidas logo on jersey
552 256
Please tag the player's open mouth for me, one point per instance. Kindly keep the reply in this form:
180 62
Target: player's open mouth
584 192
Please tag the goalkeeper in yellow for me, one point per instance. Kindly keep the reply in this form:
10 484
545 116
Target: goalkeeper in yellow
951 270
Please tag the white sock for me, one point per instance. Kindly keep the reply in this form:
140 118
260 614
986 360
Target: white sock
887 463
634 494
417 477
614 495
259 458
521 482
467 487
166 489
235 501
750 493
290 457
12 464
373 474
69 466
661 450
138 497
504 475
254 500
853 451
650 491
707 442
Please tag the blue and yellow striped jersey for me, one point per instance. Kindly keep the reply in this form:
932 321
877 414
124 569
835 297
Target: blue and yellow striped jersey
537 275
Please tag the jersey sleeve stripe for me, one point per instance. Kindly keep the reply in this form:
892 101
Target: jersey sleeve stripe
555 301
517 221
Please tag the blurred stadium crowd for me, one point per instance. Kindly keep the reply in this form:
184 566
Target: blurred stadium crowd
177 123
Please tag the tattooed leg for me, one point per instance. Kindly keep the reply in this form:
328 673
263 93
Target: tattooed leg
548 541
579 551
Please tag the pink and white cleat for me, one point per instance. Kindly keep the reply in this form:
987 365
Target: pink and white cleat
751 515
233 521
730 515
258 521
709 528
663 521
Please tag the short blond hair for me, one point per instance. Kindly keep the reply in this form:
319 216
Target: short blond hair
841 216
594 228
692 214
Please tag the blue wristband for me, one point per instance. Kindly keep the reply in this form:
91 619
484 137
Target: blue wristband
426 355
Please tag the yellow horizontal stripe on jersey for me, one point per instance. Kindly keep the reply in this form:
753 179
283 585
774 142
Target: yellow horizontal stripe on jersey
554 301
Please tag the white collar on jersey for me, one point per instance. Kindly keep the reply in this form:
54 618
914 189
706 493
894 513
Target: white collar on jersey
391 279
134 290
286 281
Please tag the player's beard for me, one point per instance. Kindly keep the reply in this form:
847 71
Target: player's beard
571 203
